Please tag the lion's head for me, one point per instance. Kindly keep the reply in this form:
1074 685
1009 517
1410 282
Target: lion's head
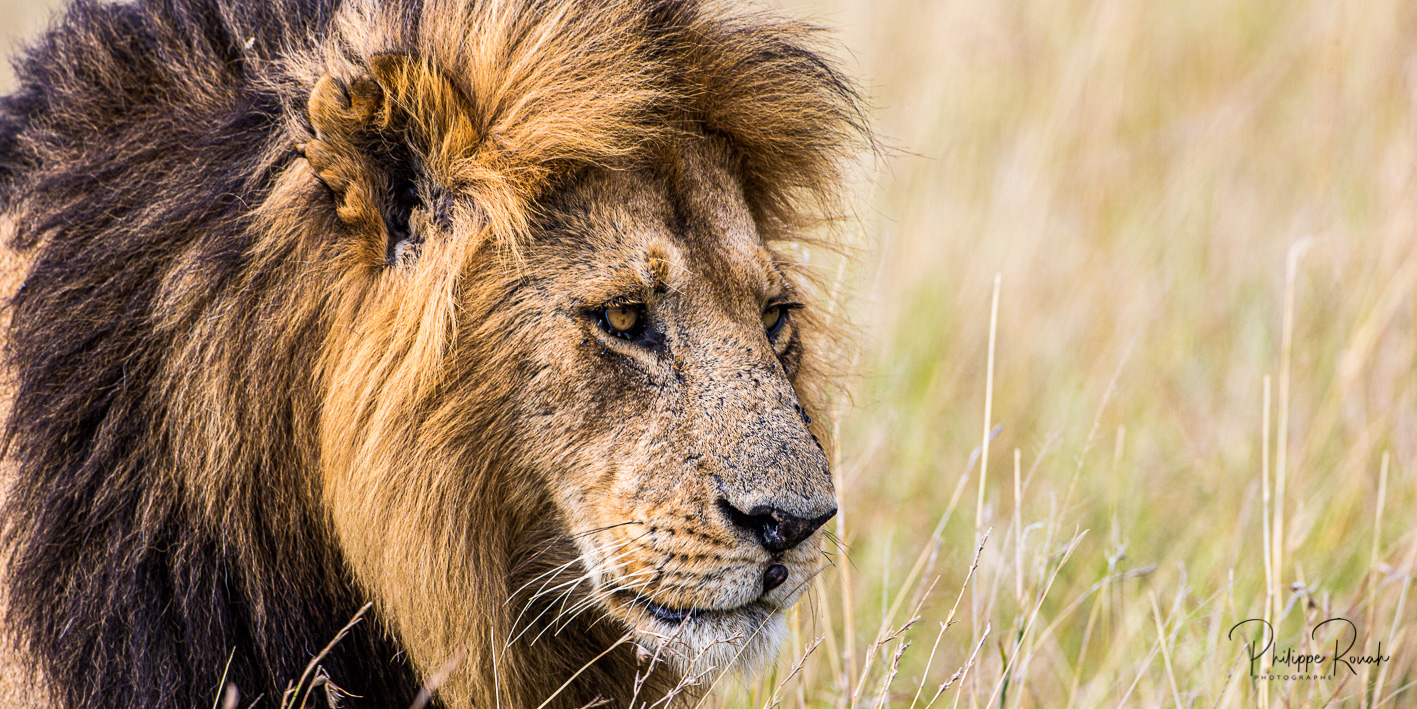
481 312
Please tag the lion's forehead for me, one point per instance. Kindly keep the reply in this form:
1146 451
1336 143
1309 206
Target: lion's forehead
682 225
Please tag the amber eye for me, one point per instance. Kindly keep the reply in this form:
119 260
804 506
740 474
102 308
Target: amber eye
773 318
627 321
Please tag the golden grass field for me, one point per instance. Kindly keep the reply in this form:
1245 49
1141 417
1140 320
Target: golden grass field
1202 223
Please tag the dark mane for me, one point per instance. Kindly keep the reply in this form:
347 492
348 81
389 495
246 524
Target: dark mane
135 142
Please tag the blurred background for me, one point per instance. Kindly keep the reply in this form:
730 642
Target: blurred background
1200 221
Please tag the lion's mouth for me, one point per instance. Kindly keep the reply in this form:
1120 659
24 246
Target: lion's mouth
679 616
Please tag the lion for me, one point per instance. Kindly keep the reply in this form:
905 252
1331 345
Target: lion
479 318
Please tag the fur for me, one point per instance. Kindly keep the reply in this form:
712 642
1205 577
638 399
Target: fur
251 388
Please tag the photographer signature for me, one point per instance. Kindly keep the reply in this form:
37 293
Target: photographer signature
1309 665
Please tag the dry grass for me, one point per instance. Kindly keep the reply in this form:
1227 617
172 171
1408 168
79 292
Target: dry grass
1203 221
1182 202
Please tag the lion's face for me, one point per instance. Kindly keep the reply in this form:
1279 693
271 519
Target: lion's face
626 382
618 388
666 345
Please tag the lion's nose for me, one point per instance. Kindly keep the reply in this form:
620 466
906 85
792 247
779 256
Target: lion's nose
777 530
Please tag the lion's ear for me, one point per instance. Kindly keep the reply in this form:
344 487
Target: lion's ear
346 117
437 114
377 136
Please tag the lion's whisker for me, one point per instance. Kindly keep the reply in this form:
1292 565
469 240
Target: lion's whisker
607 592
596 596
543 590
619 585
614 547
561 620
610 566
549 544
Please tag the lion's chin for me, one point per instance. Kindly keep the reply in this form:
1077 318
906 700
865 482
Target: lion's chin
705 644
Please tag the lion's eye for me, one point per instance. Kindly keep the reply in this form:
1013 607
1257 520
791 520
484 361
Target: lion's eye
627 321
773 318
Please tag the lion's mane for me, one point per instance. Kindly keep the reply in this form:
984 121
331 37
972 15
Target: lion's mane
162 525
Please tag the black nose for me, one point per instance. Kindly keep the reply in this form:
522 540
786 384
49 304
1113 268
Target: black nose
775 529
773 577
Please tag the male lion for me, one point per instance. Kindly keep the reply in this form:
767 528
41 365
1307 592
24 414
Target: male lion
477 311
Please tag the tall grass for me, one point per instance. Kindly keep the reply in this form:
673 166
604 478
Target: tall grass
1203 219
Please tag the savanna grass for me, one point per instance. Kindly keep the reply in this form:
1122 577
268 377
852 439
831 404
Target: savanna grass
1202 366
